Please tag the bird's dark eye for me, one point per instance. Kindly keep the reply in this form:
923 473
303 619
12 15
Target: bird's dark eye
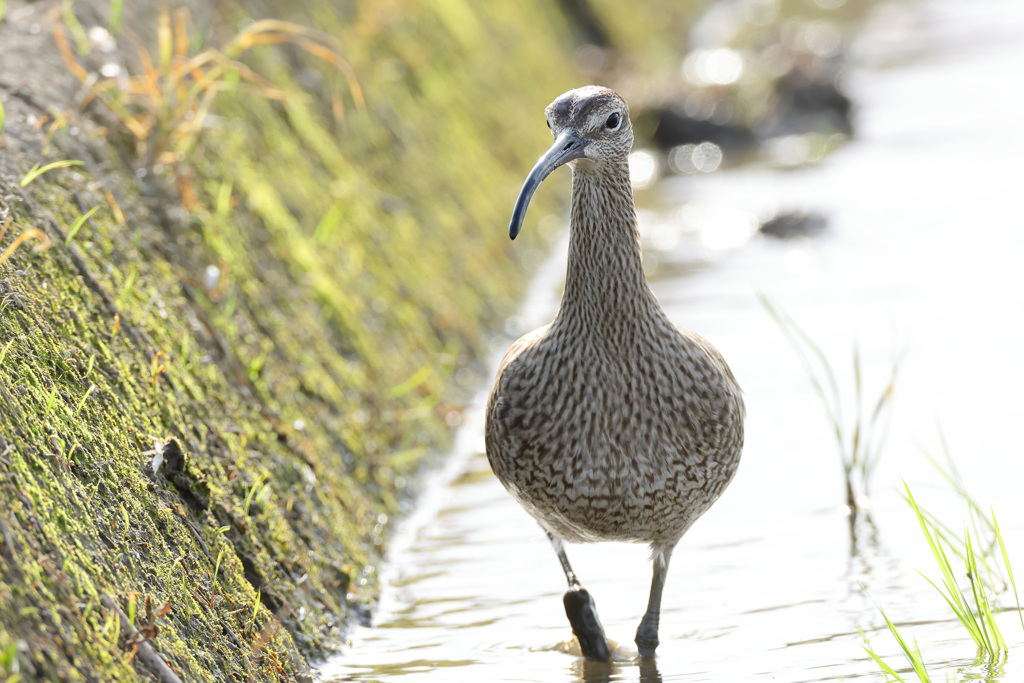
613 121
548 121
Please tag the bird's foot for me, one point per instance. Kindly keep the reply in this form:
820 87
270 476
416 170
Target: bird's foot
582 613
647 638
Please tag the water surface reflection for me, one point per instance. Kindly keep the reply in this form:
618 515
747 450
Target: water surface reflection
921 255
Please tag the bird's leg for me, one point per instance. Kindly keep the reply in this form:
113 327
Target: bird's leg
559 547
581 610
647 633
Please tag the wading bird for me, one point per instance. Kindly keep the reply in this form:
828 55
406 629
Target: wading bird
610 423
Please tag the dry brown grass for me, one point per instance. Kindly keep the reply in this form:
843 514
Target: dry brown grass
31 233
166 106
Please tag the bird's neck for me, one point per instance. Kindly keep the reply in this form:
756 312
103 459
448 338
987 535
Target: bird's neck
605 281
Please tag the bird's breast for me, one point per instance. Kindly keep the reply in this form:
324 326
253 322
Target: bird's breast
608 447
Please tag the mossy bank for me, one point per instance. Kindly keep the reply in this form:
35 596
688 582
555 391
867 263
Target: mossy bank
217 386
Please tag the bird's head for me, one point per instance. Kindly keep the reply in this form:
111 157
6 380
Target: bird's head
591 128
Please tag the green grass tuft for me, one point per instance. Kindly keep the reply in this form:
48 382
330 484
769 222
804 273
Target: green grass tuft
985 531
974 606
978 618
861 443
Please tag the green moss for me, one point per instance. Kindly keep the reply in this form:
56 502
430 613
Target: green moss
361 261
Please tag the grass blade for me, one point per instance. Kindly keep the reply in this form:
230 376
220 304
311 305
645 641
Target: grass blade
913 655
252 492
1009 569
794 335
78 408
952 594
984 532
77 225
38 170
888 670
857 401
986 623
411 384
3 353
82 45
116 12
51 399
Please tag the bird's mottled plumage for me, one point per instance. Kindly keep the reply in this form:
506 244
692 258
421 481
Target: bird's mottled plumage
611 423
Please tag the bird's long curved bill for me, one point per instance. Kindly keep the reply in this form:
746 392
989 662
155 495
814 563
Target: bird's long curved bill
568 146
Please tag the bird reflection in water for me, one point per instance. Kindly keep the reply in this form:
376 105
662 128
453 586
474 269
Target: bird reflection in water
588 671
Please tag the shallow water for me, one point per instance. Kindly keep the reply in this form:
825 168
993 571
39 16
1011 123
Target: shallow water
920 260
